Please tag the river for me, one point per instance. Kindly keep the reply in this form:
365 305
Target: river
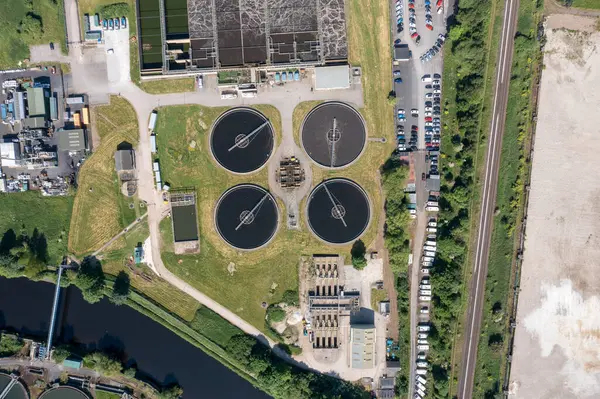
156 351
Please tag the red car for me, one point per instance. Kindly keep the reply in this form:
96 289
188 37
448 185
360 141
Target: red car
411 5
439 3
428 119
414 35
415 128
429 27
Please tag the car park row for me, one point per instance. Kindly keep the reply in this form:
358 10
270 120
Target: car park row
114 23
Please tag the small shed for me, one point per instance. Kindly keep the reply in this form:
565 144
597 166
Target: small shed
72 363
124 160
332 77
433 183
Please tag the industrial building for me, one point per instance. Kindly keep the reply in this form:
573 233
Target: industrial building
125 160
72 140
362 342
178 36
402 53
37 102
332 77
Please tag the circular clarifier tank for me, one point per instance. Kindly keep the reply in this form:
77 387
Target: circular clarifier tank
338 211
242 140
333 134
17 390
246 217
64 392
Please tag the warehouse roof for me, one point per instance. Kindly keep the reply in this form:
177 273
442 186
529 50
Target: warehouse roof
124 160
35 122
36 101
71 140
362 339
9 154
332 77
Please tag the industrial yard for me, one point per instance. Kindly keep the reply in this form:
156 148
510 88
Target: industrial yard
556 343
44 136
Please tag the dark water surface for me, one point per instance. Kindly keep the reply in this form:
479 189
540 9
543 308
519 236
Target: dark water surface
157 352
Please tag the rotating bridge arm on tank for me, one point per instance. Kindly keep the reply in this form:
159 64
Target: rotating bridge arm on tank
250 214
335 205
248 137
333 141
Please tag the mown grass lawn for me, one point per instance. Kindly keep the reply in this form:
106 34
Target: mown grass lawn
24 23
162 86
99 212
24 212
593 4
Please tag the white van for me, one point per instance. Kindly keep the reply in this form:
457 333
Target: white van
425 293
425 298
423 348
432 209
430 248
432 203
431 230
421 380
423 327
421 392
422 342
431 254
432 224
428 258
432 243
425 286
421 371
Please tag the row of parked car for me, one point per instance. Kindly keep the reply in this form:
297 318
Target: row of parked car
114 23
400 15
433 111
434 50
405 144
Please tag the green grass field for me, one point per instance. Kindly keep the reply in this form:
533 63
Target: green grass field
99 212
25 23
24 212
592 4
114 260
162 86
105 395
495 326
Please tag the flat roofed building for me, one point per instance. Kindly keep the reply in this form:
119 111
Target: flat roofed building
36 101
10 154
402 53
71 140
19 106
362 343
433 183
37 122
332 77
124 160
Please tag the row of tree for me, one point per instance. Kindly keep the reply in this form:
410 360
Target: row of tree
465 65
397 241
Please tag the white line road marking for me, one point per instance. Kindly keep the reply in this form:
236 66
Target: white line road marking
487 187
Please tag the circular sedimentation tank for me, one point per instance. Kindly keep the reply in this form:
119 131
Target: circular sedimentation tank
17 391
63 392
333 134
246 217
242 140
338 211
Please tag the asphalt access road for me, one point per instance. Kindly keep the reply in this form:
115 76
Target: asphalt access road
476 293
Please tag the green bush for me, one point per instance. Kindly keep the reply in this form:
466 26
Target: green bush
358 252
275 314
116 10
10 345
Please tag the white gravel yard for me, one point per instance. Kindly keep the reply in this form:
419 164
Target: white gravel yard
557 342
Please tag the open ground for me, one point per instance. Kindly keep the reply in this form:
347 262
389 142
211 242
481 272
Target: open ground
557 348
100 211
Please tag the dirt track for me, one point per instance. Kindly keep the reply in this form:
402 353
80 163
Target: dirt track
557 345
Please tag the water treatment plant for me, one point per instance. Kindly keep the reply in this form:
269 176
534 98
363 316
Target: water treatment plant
202 35
64 392
246 216
333 134
242 140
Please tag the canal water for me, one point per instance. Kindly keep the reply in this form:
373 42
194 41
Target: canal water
157 352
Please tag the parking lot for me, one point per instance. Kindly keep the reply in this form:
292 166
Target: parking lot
420 25
116 44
